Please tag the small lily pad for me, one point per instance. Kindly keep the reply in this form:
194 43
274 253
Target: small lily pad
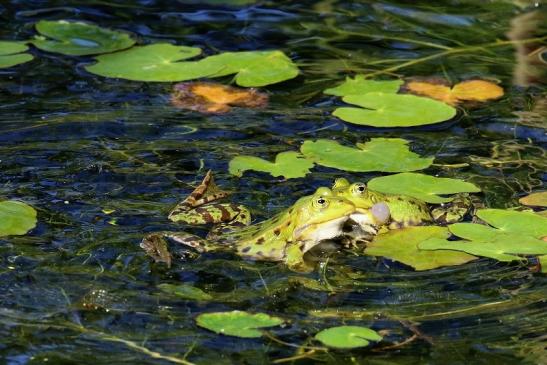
469 90
402 245
237 323
348 337
16 218
379 154
359 85
538 199
288 164
394 110
420 186
11 54
75 38
185 291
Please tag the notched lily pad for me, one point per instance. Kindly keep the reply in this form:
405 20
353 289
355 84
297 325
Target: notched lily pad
347 337
538 199
16 218
237 323
76 38
394 110
208 97
402 245
359 85
420 186
470 90
11 54
185 291
379 154
287 164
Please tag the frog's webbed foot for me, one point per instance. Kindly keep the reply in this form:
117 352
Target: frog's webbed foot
453 211
155 246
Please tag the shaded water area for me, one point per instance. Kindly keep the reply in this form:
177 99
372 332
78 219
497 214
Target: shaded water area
104 160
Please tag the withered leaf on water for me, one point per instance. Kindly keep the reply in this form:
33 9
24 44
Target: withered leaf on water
470 90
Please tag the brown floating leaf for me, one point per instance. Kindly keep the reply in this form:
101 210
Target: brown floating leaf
538 199
208 97
470 90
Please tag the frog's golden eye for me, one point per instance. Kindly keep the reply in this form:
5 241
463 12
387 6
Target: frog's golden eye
359 188
321 202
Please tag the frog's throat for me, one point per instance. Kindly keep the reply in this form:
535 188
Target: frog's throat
313 233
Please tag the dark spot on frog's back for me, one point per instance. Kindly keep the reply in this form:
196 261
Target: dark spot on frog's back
277 231
260 241
246 249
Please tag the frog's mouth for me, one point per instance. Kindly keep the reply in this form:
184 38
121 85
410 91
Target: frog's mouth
315 232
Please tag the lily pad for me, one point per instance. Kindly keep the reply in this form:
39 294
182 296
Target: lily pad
379 154
538 199
11 54
420 186
470 90
527 223
253 68
394 110
287 164
237 323
359 85
16 218
75 38
185 291
348 337
402 245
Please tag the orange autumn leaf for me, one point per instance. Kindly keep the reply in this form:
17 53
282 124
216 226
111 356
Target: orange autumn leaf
208 97
470 90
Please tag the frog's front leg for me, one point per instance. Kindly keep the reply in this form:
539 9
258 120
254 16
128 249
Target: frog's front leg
155 244
294 258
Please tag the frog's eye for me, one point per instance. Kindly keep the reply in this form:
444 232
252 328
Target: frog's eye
359 188
321 202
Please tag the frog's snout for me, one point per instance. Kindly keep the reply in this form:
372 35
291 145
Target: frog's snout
381 212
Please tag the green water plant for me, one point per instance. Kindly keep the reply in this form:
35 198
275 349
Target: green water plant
185 291
288 164
12 54
75 38
348 337
237 323
16 218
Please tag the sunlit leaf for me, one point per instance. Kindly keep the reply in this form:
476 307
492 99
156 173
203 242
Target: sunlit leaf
527 223
471 90
287 164
538 199
16 218
379 154
185 291
347 337
237 323
78 38
11 54
208 97
402 245
359 85
394 110
420 186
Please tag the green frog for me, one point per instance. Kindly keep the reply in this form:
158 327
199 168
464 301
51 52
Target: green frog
404 210
286 237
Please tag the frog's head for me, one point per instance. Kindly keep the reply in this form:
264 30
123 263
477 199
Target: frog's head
367 210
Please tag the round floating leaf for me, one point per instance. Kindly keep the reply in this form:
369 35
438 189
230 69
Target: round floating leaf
237 323
287 164
379 154
79 38
155 62
535 199
16 218
254 68
347 337
526 223
470 90
185 291
420 186
394 110
11 54
474 248
359 85
402 245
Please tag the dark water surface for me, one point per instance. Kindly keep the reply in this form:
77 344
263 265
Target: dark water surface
78 289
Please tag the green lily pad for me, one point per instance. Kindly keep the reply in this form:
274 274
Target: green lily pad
11 54
348 337
237 323
420 186
185 291
394 110
379 154
359 85
538 199
254 68
527 223
402 245
288 164
16 218
78 38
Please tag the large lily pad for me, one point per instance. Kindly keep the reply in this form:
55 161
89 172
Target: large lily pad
347 337
394 110
379 154
16 218
359 85
11 54
402 245
78 38
420 186
287 164
237 323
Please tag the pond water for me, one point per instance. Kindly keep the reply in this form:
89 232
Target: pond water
103 160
